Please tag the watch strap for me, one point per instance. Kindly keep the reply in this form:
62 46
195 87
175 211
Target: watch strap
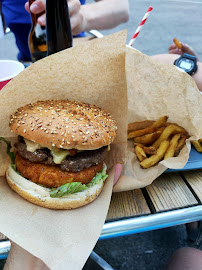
189 56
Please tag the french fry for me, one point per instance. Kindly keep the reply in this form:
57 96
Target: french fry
136 144
140 153
197 146
180 145
171 129
172 147
148 138
155 140
139 125
140 132
177 43
152 160
149 150
160 122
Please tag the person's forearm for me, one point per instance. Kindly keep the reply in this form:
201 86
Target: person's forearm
19 258
170 58
105 14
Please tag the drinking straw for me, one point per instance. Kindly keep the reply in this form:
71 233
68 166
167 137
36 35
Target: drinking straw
140 26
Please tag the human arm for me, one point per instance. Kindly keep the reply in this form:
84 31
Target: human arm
103 14
19 259
170 58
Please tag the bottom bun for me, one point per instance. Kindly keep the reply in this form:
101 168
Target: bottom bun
41 195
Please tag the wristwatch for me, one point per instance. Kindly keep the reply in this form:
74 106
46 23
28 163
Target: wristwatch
187 62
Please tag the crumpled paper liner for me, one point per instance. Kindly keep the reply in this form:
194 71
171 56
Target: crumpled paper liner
155 90
94 73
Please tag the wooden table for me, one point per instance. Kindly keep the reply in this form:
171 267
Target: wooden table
172 199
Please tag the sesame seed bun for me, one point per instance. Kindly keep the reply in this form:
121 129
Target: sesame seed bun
64 124
40 195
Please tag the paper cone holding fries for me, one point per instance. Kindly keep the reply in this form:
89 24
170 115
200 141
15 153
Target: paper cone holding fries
156 90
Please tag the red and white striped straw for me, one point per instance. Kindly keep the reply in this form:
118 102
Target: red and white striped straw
140 26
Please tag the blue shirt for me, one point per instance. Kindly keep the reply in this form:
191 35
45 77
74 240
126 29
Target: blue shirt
19 22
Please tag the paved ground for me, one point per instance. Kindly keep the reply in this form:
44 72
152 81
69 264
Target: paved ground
170 18
144 251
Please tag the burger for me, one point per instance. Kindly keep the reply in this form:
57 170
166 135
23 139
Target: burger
60 151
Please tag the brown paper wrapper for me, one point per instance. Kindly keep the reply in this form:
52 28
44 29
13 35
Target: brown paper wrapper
93 72
155 90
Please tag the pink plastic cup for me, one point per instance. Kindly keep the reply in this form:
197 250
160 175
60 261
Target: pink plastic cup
8 70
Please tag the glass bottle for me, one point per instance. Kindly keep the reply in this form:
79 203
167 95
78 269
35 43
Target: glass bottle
37 38
59 34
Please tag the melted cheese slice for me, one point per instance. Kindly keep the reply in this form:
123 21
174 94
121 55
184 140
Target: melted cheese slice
58 154
32 146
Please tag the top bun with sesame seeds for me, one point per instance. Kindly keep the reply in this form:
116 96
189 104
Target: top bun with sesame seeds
64 124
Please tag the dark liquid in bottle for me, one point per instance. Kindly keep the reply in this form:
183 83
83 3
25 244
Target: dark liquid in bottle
37 38
59 35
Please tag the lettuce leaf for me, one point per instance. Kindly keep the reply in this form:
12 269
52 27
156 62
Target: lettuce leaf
9 146
74 187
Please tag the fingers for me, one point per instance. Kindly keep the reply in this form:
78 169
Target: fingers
74 6
38 6
42 20
27 6
118 171
76 24
76 16
174 50
172 47
185 49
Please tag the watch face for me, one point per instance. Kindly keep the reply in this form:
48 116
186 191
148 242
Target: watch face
186 64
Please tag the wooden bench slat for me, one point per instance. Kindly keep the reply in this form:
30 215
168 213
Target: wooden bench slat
127 204
194 178
169 191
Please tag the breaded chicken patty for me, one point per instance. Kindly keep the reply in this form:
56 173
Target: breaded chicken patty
51 176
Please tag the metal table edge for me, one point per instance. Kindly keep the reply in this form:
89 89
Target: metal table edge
151 222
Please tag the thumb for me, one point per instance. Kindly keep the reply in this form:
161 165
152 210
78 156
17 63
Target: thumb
118 171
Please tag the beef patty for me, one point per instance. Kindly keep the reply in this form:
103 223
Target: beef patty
76 163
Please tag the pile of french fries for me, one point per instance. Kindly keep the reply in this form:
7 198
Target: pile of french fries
197 145
156 140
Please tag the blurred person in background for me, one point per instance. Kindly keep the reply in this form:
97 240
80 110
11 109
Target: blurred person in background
19 22
101 15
